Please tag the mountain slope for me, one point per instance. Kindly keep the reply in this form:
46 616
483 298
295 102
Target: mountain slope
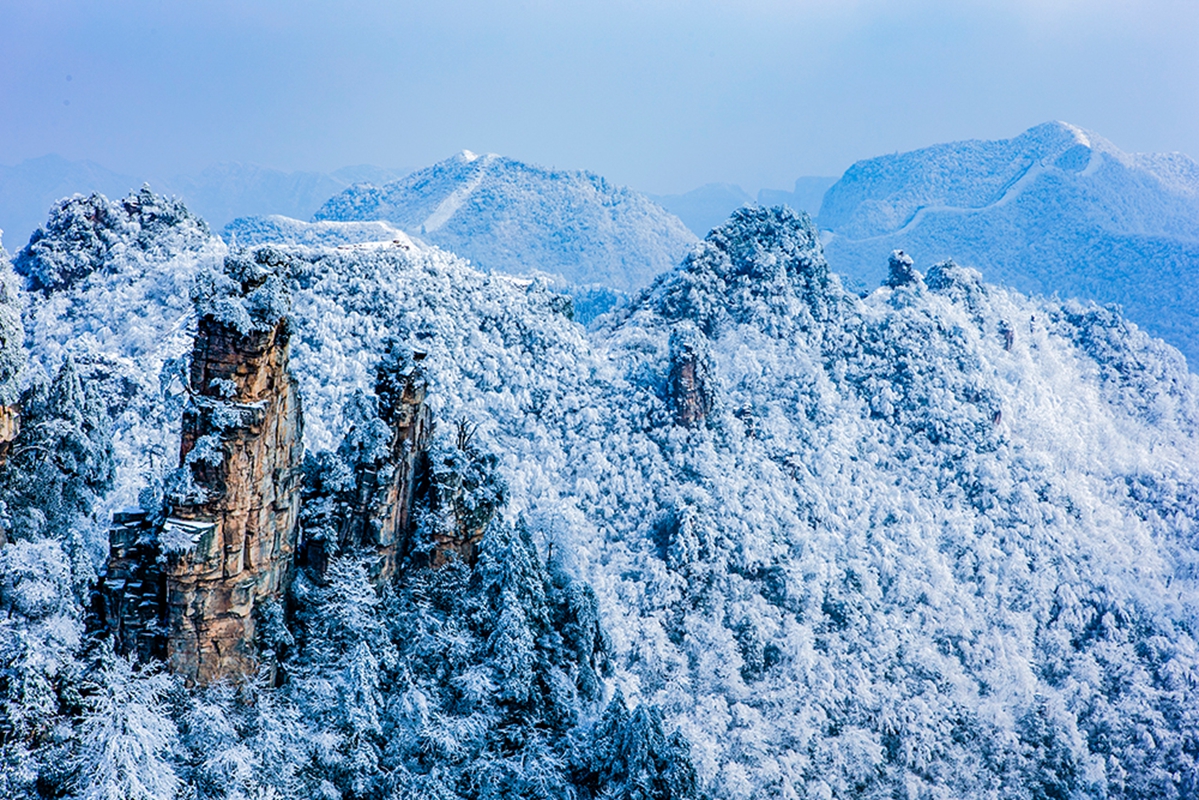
517 218
1054 210
935 541
223 192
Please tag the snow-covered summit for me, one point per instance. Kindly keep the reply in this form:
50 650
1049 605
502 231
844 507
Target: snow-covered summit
1057 209
505 215
937 540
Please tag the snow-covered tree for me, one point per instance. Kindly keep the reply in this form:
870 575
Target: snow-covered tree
40 630
61 464
341 668
89 234
127 739
12 335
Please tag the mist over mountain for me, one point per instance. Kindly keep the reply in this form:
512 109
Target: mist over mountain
935 540
30 189
219 193
1056 210
514 217
705 208
224 192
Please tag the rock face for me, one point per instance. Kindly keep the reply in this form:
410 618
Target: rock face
130 600
402 406
233 547
691 393
378 516
188 584
10 426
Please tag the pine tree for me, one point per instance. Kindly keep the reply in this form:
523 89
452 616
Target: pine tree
126 737
631 757
61 464
341 668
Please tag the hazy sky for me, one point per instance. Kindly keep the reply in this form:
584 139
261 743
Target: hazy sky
661 95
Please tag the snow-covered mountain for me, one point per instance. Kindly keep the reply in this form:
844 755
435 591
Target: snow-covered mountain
1056 210
939 540
517 218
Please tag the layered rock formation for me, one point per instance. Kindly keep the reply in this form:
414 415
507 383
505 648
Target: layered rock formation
131 598
10 426
691 394
233 546
401 391
187 585
378 515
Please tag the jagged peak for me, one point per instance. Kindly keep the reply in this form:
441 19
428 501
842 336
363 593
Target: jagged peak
86 234
764 265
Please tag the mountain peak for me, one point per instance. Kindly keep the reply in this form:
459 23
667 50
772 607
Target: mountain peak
510 216
1056 209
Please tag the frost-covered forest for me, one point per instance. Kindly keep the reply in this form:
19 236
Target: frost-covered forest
755 535
1055 209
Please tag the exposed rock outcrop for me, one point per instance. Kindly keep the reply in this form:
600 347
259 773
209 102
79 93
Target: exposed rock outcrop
691 393
377 515
233 546
10 426
401 389
185 587
130 600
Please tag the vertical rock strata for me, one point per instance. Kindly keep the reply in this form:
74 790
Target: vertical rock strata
691 393
232 546
130 599
10 426
184 583
402 407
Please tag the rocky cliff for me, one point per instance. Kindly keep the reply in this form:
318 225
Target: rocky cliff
232 547
187 585
10 426
376 513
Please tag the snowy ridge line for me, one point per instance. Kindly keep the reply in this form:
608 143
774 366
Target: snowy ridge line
509 216
1014 190
450 205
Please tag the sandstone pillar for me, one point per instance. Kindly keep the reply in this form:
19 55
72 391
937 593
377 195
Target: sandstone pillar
231 546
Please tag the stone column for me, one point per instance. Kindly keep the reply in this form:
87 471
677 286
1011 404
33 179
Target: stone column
232 546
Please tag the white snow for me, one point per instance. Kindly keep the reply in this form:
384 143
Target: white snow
1056 209
518 218
906 550
450 205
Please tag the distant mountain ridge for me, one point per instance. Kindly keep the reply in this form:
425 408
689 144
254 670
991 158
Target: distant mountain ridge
224 192
1055 210
515 217
29 189
710 205
219 193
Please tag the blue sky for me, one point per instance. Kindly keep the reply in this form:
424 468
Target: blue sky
661 95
